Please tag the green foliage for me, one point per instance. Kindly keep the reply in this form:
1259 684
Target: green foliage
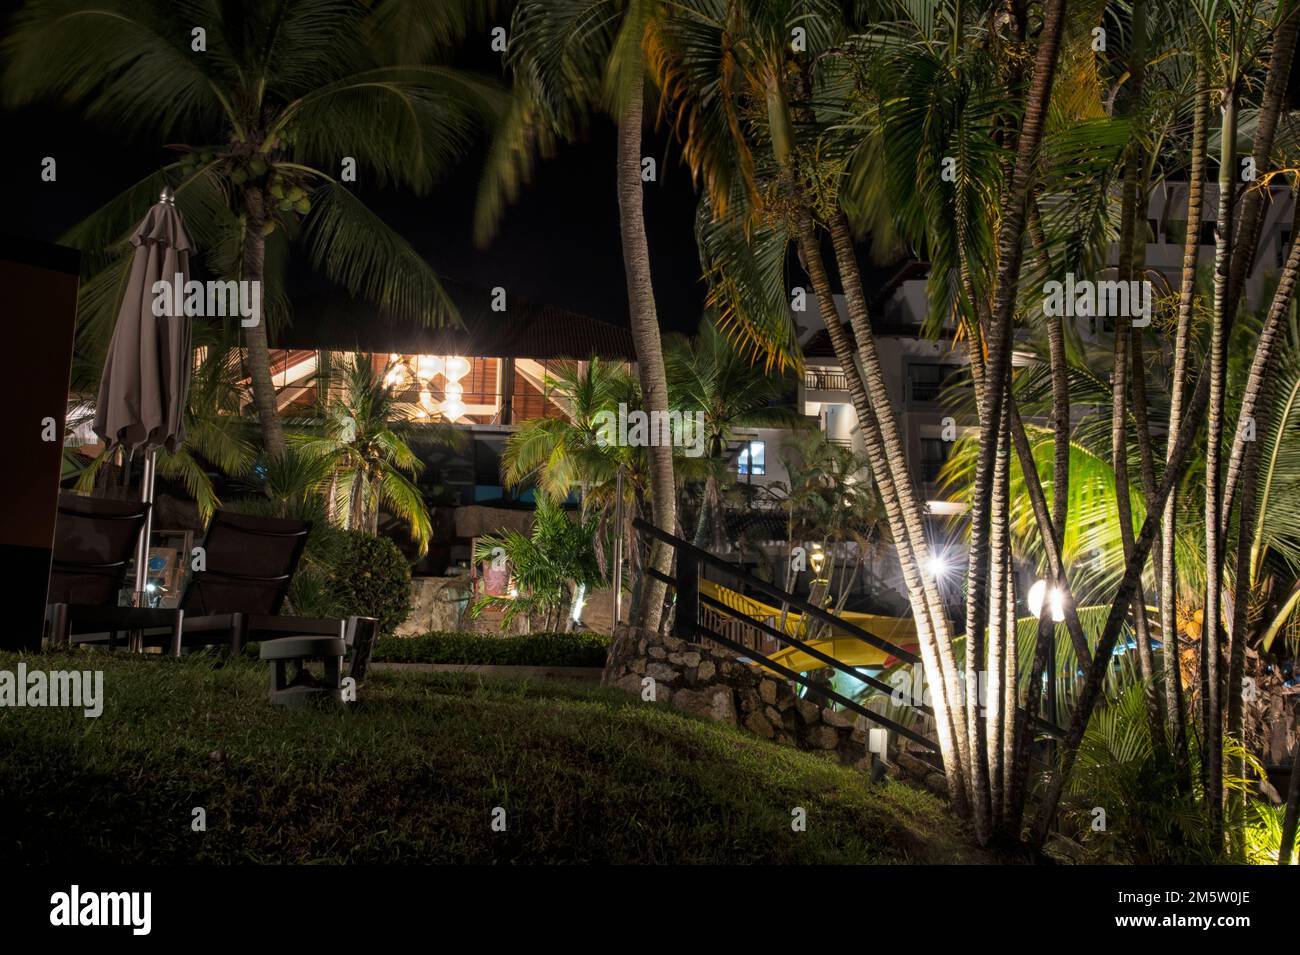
371 578
535 649
361 444
562 455
547 567
351 573
1264 835
1148 819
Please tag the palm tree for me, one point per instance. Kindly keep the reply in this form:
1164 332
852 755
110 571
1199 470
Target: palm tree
550 568
564 455
365 438
709 377
571 58
265 117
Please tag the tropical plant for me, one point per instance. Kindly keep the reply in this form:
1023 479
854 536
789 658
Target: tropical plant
710 378
565 454
263 103
363 438
550 567
1148 821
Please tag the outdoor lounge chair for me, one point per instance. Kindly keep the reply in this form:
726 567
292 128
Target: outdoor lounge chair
248 565
94 542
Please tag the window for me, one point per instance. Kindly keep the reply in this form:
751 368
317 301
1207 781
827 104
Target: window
1208 233
925 382
1283 246
934 452
752 459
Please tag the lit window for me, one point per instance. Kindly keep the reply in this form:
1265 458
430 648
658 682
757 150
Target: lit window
752 459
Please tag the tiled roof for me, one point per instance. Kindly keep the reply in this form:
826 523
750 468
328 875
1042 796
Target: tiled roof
524 330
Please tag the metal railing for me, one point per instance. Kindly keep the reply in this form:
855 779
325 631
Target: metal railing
820 379
688 625
701 618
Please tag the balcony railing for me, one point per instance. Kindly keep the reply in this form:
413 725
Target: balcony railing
819 379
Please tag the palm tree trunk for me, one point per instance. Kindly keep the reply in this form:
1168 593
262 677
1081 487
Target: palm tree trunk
988 720
1060 371
1211 677
1272 101
647 340
259 353
947 727
1174 712
895 460
1245 570
1010 251
1095 678
1129 219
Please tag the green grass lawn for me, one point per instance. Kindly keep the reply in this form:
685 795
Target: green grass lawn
412 773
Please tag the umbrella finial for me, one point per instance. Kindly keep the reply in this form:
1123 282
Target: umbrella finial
167 195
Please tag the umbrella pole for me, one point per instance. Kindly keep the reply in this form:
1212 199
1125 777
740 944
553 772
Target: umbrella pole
146 532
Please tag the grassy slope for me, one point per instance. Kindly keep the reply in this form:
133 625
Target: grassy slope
412 773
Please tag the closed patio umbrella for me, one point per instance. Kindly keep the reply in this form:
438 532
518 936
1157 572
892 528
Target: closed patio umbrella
143 390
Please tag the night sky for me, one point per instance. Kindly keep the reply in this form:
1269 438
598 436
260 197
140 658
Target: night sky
558 244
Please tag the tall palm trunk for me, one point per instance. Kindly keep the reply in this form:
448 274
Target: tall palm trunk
1129 219
647 340
259 352
1245 568
895 461
948 729
1211 675
1174 712
1010 250
987 721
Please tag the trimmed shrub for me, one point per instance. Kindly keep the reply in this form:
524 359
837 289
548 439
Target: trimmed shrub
480 649
369 577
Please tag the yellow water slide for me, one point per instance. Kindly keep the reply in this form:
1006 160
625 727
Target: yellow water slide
900 631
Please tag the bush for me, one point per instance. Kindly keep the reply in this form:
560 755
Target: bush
479 649
370 578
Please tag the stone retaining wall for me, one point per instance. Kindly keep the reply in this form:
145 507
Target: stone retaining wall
714 685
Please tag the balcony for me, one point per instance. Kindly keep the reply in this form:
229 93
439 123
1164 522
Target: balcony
825 379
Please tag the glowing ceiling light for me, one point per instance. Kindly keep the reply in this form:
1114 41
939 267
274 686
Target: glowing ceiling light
453 409
937 567
456 367
428 366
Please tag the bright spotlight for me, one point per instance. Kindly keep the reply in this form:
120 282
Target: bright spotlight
937 567
1035 600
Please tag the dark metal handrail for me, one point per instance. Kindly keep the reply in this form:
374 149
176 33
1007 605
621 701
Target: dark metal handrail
687 625
771 590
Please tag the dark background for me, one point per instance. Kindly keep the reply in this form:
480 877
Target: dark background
557 245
